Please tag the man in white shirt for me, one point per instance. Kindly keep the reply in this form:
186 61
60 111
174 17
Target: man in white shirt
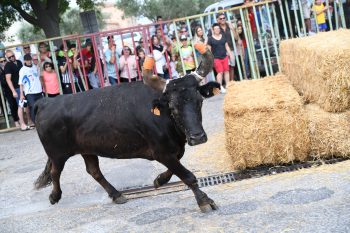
30 84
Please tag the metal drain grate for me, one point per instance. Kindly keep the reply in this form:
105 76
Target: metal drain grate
139 192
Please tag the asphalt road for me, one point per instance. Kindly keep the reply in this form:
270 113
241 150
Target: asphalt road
309 200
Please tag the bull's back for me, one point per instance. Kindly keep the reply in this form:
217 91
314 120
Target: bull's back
112 120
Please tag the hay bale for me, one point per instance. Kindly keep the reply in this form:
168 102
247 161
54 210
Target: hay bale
329 132
319 68
265 123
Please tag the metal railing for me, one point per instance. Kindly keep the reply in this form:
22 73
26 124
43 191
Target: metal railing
264 24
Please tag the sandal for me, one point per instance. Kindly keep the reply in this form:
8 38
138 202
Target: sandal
26 128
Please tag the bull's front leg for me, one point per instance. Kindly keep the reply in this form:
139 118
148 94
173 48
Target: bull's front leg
162 178
204 202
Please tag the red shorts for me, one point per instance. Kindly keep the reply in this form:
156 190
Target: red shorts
221 65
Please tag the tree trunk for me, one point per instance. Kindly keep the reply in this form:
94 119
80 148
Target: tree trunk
50 27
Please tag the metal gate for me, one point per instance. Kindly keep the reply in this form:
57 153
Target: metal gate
264 24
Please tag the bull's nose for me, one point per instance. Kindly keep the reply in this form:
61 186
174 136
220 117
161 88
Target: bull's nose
197 139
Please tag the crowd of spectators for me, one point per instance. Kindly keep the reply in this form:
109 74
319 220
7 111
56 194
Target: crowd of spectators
25 78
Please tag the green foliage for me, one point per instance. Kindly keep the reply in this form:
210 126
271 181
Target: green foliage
30 33
70 24
168 9
31 11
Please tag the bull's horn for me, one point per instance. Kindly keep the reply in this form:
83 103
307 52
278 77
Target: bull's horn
207 60
148 77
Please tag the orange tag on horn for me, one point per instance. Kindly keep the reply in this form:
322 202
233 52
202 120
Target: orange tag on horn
148 64
155 111
202 48
216 91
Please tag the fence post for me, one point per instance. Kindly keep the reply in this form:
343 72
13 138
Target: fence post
2 97
273 37
54 60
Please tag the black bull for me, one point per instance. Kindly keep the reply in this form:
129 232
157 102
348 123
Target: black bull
117 122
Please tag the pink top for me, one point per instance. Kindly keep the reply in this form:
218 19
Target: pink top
51 82
128 67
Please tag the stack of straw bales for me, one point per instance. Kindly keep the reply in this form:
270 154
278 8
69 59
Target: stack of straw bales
265 123
329 132
319 68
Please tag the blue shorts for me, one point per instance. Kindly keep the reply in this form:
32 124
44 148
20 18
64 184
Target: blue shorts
18 90
322 26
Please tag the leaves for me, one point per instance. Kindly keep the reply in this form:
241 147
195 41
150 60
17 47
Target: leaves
168 9
70 24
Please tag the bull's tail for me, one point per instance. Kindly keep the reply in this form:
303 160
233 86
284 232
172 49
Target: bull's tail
45 178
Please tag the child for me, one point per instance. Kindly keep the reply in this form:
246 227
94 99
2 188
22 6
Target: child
319 10
173 66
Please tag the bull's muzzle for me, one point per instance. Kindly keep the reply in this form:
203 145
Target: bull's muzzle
197 139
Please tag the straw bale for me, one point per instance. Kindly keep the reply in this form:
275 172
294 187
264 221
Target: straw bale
265 123
329 132
319 68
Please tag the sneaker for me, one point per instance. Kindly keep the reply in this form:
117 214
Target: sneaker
222 90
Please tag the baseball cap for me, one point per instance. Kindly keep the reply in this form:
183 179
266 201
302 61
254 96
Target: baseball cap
183 37
27 57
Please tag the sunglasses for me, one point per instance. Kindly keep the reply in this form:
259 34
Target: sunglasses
25 47
2 61
10 57
222 18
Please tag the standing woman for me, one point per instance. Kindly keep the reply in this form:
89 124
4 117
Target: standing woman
159 57
50 81
199 37
221 51
128 66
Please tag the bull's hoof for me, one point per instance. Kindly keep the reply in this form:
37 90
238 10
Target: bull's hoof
120 200
55 197
160 180
156 183
206 208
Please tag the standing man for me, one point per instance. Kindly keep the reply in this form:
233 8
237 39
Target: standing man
225 29
12 69
112 61
26 50
221 52
30 84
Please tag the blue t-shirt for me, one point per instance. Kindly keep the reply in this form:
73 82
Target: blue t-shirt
111 69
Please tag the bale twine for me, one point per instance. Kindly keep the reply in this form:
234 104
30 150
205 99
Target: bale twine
329 132
319 68
265 123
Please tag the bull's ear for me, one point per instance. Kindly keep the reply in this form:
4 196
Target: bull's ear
157 105
210 89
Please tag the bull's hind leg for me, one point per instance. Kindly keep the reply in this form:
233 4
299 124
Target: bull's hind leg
56 170
93 168
204 202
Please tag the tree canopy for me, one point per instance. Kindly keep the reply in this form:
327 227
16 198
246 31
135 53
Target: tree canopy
168 9
44 14
70 24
